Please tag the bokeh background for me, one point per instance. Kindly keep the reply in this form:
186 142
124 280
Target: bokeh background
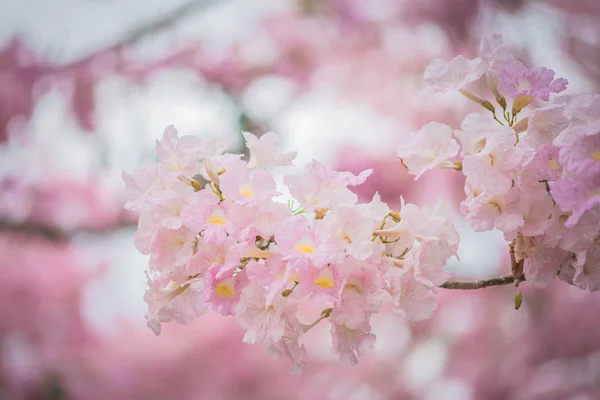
86 86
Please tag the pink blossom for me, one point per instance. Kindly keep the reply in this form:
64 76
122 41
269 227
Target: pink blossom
346 232
138 186
274 275
428 148
349 344
488 211
578 237
322 283
496 161
238 185
260 219
177 155
411 299
582 112
169 299
546 163
517 80
223 288
428 261
321 188
546 123
361 295
290 345
299 242
582 156
577 195
206 213
263 319
171 248
444 76
168 205
264 151
587 270
542 264
493 51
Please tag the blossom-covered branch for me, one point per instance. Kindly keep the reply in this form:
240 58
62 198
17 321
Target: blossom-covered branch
220 235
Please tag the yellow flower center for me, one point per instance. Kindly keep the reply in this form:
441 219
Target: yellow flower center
217 218
496 204
247 191
554 165
324 279
304 247
596 155
225 290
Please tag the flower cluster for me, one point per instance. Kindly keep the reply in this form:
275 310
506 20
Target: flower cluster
221 237
536 179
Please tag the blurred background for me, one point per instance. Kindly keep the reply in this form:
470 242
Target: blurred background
86 86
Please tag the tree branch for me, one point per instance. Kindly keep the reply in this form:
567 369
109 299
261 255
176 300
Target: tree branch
480 284
138 33
54 233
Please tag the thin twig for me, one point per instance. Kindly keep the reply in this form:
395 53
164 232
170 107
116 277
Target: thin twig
480 284
54 233
140 32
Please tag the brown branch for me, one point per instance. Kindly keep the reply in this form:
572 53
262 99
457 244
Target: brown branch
54 233
480 284
138 33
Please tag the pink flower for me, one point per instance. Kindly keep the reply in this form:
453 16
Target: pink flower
488 211
546 163
476 130
169 299
300 244
207 255
259 219
578 195
361 295
138 185
587 270
262 319
498 160
273 274
238 185
290 345
171 248
349 344
545 124
582 112
321 188
177 155
206 213
576 238
321 283
167 205
411 299
582 156
517 80
444 76
428 148
542 264
265 150
428 261
493 51
223 288
538 208
347 232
